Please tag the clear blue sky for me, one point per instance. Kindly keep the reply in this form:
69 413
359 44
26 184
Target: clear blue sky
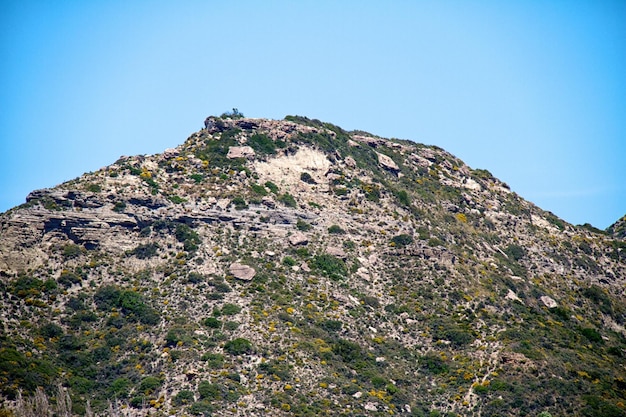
534 91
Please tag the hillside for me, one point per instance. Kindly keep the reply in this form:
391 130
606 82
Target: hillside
291 268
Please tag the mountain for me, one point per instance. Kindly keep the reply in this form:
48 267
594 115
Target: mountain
291 268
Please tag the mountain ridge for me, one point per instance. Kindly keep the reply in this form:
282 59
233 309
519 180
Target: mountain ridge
315 270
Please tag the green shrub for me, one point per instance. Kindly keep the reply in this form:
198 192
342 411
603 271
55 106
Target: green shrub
336 230
71 251
146 251
591 334
272 187
347 350
433 364
289 261
307 178
183 397
230 309
329 265
262 144
288 200
209 391
302 225
238 346
239 203
258 189
402 240
212 322
149 384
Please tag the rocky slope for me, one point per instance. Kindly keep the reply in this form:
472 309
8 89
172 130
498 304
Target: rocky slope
291 268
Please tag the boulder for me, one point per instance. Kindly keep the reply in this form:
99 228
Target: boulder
387 163
548 301
242 272
240 152
298 238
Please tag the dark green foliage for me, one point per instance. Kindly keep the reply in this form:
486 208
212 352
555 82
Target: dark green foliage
275 368
119 206
176 199
272 187
146 251
201 408
347 350
209 391
129 302
50 330
591 334
599 298
149 384
403 197
197 178
230 309
234 114
238 346
187 236
445 329
329 265
239 203
402 240
263 145
306 177
434 364
302 225
94 188
71 251
331 325
214 360
334 229
183 397
515 252
258 189
289 261
288 200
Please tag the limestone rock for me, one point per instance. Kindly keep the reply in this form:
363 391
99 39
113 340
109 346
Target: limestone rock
548 301
387 163
240 152
242 272
335 251
298 238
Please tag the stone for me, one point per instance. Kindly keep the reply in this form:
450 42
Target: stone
350 162
298 238
548 301
240 152
387 163
335 251
242 272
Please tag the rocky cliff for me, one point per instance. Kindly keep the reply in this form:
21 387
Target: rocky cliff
290 267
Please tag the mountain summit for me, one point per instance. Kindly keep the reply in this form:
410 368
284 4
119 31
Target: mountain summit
291 268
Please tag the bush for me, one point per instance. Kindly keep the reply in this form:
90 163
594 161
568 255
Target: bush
230 309
303 226
330 266
183 397
288 200
433 364
239 203
306 177
262 144
402 240
209 391
238 346
212 322
336 230
149 384
148 250
272 187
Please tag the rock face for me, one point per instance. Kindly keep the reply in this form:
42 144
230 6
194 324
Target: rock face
290 267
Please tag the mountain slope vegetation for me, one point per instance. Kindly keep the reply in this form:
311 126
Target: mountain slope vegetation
292 268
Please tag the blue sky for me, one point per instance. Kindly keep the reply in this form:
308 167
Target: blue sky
533 91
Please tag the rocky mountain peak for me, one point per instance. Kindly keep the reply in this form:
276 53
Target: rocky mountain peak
289 267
